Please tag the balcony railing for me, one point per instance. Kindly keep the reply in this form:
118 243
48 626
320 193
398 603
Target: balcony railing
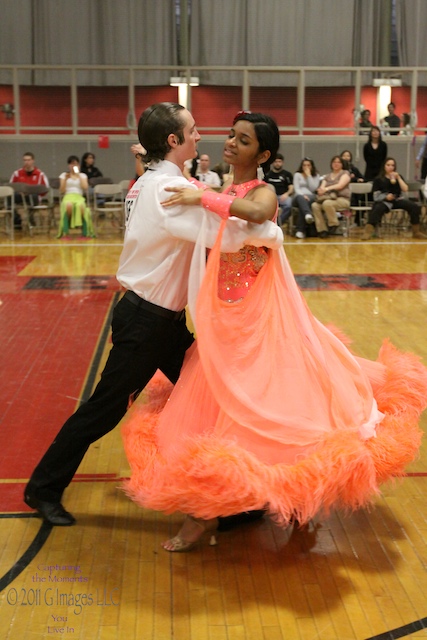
304 100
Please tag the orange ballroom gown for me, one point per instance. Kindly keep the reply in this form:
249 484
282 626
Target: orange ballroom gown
271 411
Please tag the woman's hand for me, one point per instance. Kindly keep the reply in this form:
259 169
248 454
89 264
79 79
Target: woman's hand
183 195
390 196
138 150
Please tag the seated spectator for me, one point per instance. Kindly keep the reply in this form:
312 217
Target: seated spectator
388 188
347 158
355 176
205 175
28 174
306 183
282 181
333 196
88 166
392 121
74 211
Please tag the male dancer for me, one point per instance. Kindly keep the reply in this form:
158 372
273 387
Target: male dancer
149 326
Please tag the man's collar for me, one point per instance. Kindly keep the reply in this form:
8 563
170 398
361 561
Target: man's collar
166 166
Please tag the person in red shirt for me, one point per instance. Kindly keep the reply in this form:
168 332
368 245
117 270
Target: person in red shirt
29 174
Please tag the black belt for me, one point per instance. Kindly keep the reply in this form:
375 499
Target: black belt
153 308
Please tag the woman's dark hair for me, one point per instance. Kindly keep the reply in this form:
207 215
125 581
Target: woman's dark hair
346 163
85 156
313 171
73 159
155 126
267 134
370 132
382 171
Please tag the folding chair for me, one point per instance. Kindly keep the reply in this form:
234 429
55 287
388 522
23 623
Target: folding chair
112 208
93 182
125 187
363 208
38 205
7 209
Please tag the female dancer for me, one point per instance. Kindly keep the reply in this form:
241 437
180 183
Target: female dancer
271 410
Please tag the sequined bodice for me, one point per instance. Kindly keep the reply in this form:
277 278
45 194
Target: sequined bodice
238 271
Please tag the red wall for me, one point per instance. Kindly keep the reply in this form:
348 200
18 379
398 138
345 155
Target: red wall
100 107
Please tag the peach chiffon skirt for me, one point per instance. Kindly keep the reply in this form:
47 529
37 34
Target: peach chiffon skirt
272 411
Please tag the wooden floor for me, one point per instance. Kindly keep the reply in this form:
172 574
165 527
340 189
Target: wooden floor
349 577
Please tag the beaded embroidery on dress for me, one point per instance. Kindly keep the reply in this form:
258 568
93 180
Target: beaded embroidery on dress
238 271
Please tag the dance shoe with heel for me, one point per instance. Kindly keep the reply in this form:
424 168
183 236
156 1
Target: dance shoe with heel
191 532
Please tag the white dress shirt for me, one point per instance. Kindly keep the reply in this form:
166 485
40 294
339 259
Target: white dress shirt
159 241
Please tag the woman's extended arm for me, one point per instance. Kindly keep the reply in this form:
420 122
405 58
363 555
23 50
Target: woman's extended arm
258 206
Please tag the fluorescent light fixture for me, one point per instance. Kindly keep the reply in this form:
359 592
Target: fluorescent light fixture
387 82
178 81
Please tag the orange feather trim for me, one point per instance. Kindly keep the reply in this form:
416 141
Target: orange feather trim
208 476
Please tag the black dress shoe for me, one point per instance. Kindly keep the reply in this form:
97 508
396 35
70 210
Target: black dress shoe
52 512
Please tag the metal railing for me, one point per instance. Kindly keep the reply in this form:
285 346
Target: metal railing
298 79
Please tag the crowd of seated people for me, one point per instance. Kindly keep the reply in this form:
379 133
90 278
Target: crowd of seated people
319 201
316 199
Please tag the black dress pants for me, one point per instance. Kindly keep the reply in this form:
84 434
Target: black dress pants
380 208
142 343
